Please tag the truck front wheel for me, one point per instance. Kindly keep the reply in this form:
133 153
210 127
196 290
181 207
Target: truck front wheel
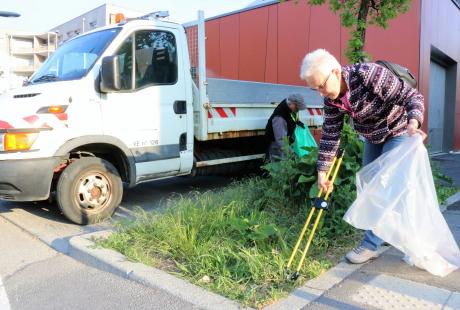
89 190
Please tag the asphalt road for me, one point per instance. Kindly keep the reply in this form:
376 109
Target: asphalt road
35 273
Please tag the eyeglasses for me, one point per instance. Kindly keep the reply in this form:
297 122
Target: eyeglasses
323 85
325 81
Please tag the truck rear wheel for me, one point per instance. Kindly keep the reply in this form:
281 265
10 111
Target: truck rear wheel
89 190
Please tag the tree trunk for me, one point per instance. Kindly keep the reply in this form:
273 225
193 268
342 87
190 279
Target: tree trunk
361 25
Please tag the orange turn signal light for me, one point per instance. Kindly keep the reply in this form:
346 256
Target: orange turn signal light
119 17
56 109
20 141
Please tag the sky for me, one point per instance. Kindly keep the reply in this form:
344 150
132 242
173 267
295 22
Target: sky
42 15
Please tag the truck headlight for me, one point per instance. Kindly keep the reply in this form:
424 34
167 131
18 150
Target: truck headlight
17 141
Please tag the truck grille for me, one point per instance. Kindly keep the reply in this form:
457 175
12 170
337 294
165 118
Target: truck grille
26 95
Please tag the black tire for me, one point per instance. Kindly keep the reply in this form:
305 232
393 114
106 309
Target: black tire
89 190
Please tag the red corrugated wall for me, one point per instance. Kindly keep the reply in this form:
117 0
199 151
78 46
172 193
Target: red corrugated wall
267 44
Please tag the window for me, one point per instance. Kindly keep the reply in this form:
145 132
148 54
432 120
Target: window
125 58
155 58
75 58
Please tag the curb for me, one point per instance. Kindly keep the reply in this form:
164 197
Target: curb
83 249
450 201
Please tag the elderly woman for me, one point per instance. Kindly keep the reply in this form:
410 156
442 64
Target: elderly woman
281 124
384 110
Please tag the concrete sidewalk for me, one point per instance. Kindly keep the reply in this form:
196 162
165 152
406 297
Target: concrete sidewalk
389 283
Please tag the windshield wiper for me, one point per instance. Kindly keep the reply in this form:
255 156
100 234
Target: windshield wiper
47 77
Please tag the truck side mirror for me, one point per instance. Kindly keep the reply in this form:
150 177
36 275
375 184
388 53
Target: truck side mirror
110 74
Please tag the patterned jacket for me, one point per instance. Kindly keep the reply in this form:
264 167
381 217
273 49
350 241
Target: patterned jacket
377 101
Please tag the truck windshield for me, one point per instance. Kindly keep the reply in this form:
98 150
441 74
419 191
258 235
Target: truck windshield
75 58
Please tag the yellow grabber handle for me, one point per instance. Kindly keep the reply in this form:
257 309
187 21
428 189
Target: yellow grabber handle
310 215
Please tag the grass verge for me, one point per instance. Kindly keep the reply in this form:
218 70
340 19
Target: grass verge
227 243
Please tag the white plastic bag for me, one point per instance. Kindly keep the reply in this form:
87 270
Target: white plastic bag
397 201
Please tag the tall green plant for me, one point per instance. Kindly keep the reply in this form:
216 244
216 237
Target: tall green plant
293 183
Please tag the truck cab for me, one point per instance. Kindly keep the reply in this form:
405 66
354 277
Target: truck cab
90 118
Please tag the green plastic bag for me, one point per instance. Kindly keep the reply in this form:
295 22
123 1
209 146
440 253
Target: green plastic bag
303 138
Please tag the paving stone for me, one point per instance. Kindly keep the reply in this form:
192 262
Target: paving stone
297 299
385 292
333 276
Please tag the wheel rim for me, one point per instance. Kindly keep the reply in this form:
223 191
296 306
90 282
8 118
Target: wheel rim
93 191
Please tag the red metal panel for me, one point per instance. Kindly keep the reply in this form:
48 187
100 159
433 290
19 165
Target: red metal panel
293 29
324 30
293 32
253 44
271 63
229 46
213 48
400 42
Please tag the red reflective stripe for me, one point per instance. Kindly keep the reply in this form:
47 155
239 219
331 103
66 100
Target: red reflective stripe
5 125
318 111
209 114
233 111
61 116
31 119
310 111
221 112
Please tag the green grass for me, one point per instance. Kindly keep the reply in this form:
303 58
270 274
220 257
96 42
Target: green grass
443 192
444 185
227 243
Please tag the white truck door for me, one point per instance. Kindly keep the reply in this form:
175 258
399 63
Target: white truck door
149 113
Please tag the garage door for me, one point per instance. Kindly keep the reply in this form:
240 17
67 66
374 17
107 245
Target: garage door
436 107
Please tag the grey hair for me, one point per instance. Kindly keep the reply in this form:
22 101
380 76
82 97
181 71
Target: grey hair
295 98
319 60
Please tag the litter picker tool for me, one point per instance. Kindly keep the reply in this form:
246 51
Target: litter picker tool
322 204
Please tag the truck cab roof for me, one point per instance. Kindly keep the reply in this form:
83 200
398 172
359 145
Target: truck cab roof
135 23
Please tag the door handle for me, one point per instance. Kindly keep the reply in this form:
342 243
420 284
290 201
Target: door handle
180 107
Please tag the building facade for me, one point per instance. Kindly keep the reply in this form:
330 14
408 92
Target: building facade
266 42
21 54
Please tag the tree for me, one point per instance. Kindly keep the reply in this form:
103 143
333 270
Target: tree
357 14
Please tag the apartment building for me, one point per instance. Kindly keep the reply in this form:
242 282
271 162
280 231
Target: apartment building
21 54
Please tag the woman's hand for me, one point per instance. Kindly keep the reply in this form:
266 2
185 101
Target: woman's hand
323 183
412 127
